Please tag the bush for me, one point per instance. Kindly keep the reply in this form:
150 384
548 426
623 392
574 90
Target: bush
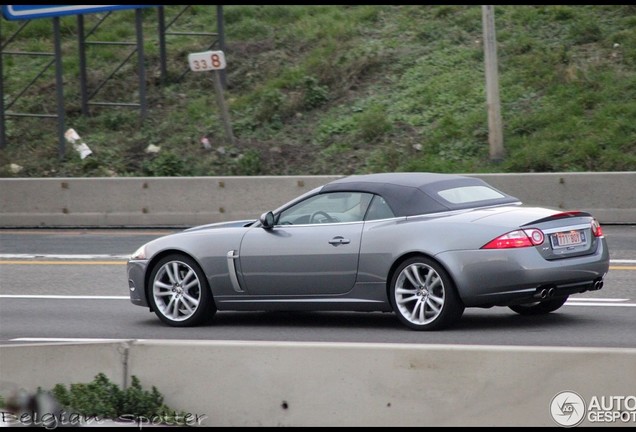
166 164
103 399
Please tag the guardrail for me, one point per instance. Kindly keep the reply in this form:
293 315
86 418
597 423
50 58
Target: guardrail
189 201
224 383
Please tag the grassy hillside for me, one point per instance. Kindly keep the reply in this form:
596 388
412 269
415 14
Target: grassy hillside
343 90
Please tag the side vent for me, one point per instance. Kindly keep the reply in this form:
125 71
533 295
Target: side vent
231 268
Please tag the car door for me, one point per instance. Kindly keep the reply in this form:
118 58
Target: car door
312 249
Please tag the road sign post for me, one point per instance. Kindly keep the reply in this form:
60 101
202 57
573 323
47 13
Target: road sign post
495 127
214 61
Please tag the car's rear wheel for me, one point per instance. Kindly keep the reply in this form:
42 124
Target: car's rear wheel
423 295
540 308
179 292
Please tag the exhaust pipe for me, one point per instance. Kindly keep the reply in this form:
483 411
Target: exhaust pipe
543 293
551 292
598 285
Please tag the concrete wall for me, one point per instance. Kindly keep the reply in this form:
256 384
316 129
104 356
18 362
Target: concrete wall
338 384
610 196
155 201
188 201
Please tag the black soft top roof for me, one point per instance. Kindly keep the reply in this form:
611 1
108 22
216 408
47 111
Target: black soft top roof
410 194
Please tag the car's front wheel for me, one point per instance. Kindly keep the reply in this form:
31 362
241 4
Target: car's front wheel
179 292
540 308
423 295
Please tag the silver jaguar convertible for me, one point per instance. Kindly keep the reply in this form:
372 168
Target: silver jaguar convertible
422 245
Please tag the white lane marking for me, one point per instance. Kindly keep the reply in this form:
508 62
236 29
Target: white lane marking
622 261
66 340
576 299
63 297
66 256
598 302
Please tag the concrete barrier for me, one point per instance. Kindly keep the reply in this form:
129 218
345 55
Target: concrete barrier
337 384
153 201
610 196
188 201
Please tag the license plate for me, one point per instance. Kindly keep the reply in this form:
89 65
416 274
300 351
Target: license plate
569 238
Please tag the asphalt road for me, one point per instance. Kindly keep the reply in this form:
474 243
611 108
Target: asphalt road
71 284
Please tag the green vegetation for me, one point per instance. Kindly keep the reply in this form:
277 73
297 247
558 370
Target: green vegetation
93 403
343 90
102 398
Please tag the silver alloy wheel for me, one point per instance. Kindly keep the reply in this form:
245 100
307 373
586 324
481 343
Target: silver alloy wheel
419 293
176 290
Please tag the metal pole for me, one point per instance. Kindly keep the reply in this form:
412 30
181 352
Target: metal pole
221 37
59 82
495 134
225 115
82 64
162 45
3 136
141 65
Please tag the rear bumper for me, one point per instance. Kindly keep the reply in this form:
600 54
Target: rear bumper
505 277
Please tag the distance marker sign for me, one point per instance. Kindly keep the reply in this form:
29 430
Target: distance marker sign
207 61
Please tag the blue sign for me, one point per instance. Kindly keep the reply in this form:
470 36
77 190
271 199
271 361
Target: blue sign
27 12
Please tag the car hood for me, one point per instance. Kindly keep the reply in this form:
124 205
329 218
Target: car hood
195 241
228 224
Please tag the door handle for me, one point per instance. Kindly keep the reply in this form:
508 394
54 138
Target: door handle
336 241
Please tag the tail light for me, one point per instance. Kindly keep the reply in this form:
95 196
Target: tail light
517 239
597 231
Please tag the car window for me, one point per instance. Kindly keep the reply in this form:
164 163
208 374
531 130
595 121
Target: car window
327 208
469 194
379 209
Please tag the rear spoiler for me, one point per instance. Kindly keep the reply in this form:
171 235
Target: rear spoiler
561 215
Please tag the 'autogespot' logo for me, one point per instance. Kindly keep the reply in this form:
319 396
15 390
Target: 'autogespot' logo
567 409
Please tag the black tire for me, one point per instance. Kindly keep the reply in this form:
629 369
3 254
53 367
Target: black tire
540 308
179 293
424 296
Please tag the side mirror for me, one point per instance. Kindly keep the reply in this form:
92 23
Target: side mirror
267 220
